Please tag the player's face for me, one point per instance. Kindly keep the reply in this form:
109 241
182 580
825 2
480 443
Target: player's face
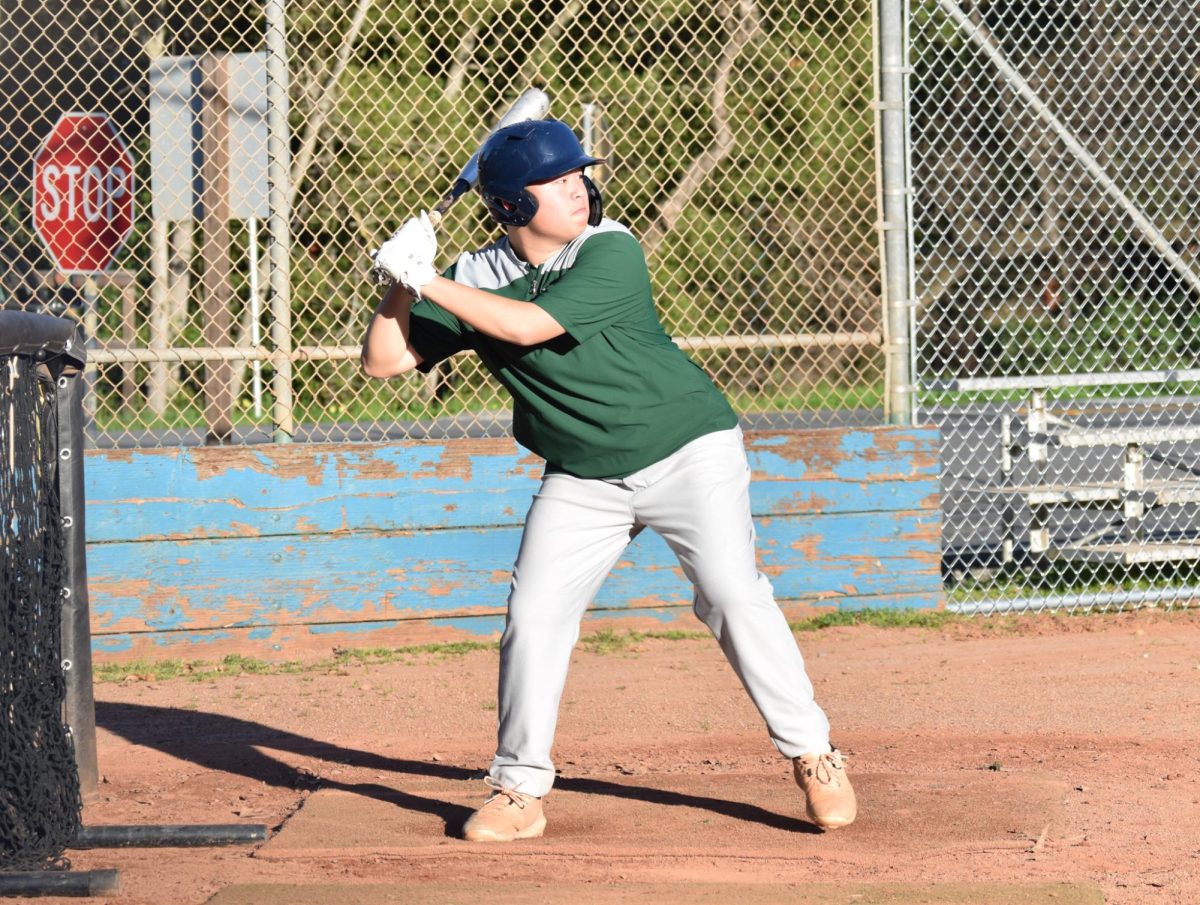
562 212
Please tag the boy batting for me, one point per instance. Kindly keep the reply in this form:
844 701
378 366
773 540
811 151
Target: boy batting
634 435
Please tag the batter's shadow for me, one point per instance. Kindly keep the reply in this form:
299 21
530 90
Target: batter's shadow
232 745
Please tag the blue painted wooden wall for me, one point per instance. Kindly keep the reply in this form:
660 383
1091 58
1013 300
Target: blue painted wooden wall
288 551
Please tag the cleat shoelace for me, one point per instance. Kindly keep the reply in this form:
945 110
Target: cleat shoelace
517 798
825 766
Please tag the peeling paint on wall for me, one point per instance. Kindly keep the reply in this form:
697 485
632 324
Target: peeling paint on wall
274 550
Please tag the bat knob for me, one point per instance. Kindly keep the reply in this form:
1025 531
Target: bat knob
380 277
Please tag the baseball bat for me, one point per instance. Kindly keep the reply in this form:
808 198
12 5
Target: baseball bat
532 104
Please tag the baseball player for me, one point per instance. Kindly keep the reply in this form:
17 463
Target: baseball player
634 435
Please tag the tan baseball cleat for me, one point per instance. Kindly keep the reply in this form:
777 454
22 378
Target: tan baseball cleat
505 816
831 802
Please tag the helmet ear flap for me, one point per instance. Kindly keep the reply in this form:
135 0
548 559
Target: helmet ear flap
526 207
511 213
521 211
595 203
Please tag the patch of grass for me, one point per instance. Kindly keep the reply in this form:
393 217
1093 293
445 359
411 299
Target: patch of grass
881 618
822 395
677 635
602 641
140 669
237 665
197 670
1066 579
611 641
366 655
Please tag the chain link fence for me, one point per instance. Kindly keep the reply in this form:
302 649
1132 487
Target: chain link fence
1049 205
273 144
1055 201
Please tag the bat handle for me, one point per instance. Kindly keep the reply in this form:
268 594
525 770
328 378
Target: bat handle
461 187
381 277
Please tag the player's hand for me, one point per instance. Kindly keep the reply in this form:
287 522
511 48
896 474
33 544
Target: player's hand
407 257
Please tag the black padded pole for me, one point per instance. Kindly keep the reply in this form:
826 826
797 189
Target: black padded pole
60 883
80 703
39 336
169 835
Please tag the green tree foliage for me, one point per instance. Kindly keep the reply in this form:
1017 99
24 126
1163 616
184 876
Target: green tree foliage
794 195
388 98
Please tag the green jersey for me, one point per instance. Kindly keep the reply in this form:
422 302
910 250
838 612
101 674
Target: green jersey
610 396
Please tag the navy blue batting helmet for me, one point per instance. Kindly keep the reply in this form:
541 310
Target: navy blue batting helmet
528 152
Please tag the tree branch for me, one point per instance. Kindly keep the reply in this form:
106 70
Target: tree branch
530 70
325 103
742 29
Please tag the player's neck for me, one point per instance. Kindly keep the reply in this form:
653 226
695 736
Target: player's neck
536 248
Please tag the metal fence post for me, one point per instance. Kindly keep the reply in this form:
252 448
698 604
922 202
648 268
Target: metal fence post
891 123
279 219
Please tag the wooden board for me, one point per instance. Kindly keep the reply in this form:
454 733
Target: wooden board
250 545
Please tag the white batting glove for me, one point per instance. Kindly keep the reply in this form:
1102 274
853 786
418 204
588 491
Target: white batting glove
407 257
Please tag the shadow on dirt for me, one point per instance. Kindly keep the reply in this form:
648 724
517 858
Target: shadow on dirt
231 745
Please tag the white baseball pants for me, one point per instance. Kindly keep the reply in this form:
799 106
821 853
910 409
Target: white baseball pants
698 500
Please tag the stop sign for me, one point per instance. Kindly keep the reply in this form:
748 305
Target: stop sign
83 192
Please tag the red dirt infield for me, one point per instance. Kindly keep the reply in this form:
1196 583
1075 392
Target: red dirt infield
1023 760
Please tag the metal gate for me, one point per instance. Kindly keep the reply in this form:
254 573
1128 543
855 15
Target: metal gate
1055 202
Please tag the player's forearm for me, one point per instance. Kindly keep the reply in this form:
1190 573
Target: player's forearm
510 320
386 351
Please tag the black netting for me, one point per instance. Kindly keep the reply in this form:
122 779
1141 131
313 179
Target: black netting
40 803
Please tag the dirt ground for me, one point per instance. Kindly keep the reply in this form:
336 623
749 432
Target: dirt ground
1040 751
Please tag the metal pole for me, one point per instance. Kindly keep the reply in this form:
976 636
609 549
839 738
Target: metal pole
894 226
1006 481
870 340
75 883
255 337
217 320
185 835
279 218
1184 596
90 317
160 321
